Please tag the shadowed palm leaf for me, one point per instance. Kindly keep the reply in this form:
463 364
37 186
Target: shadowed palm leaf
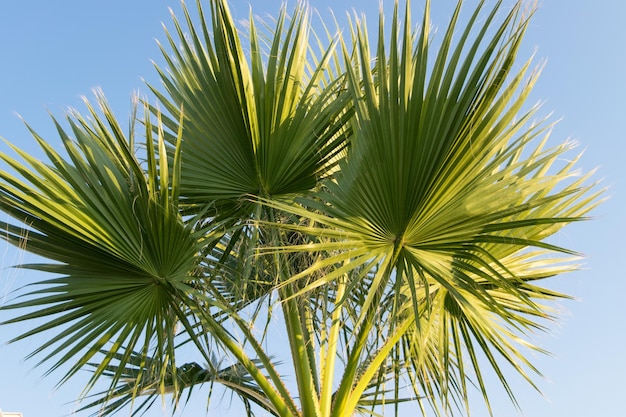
267 127
146 377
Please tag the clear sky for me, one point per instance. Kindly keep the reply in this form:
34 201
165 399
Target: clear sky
51 53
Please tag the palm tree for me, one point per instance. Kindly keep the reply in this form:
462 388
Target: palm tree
388 211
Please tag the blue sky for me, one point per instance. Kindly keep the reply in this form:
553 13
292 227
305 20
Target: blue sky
52 53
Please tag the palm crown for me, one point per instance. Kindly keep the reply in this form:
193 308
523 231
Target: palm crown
393 204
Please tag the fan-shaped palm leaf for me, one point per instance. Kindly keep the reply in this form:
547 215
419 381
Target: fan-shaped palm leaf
112 227
265 127
444 191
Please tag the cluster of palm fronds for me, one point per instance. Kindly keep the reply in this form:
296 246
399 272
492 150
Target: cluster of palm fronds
387 211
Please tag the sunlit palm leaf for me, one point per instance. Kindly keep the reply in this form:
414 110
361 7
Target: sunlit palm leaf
446 188
121 251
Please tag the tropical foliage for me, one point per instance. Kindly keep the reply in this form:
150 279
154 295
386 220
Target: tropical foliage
385 210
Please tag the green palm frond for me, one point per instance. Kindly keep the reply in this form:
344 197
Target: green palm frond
146 378
111 227
268 126
449 191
